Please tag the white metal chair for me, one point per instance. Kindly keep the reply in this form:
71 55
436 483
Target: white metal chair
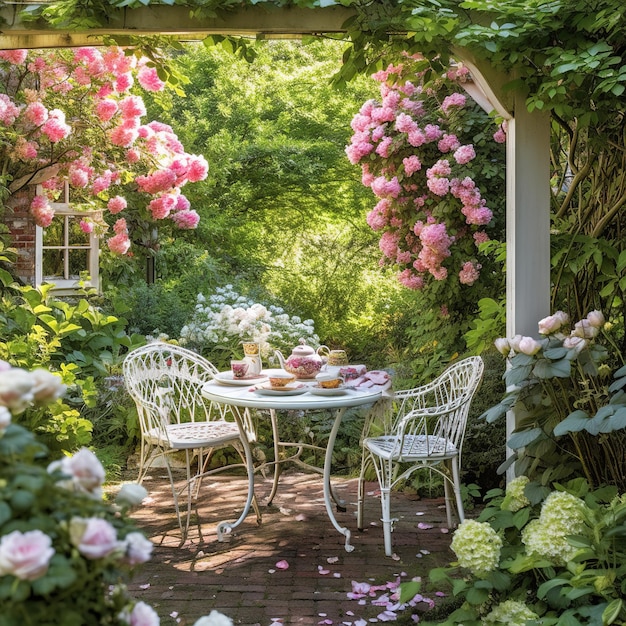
425 430
165 382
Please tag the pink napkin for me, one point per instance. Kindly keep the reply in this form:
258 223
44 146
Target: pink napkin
376 380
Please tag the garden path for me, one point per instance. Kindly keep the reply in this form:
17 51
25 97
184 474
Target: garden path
239 577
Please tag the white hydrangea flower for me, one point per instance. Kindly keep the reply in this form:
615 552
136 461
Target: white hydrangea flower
511 613
515 499
562 514
477 547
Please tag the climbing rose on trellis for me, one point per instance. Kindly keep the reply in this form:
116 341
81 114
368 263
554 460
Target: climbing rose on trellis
430 211
75 116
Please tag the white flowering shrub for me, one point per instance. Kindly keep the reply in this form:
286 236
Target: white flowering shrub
477 547
540 557
65 554
223 320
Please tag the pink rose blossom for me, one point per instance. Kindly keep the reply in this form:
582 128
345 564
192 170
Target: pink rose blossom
133 155
550 324
198 168
16 57
439 186
161 180
94 537
480 237
182 203
143 615
500 135
432 132
36 113
186 219
149 79
410 280
119 244
42 211
55 127
132 106
116 204
84 471
411 164
85 226
448 143
120 227
453 100
529 346
469 273
124 82
25 555
78 177
106 109
123 136
464 154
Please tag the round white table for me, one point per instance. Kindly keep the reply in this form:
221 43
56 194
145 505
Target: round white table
247 397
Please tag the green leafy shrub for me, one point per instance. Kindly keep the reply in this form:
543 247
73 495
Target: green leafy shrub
540 556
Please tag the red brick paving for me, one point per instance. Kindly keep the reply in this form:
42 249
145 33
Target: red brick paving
239 578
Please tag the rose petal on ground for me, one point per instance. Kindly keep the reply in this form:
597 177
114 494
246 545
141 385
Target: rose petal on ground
425 551
420 513
321 570
337 575
174 614
282 565
444 530
146 586
440 594
300 517
332 559
271 571
423 526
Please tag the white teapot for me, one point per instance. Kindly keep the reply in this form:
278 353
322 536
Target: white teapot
303 362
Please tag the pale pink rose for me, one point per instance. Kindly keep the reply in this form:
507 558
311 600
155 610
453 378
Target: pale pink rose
503 346
550 324
137 548
25 555
529 346
84 469
16 389
574 343
143 615
596 319
119 244
86 226
514 342
46 386
5 418
131 494
585 330
94 537
149 79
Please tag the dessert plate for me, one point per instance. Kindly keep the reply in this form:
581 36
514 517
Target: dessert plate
292 389
226 378
324 391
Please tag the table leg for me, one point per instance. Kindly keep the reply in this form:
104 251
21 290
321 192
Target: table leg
328 492
223 527
274 420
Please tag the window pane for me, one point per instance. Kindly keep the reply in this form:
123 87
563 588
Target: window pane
79 262
77 236
53 234
52 264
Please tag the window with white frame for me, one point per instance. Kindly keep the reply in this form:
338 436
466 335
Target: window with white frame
64 252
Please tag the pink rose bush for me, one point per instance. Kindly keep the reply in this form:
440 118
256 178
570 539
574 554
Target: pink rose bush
65 554
78 116
419 163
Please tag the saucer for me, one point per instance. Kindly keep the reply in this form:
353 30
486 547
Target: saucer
291 389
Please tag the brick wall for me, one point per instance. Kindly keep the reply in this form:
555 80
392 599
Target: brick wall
21 226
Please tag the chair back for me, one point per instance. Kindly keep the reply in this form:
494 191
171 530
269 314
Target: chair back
440 408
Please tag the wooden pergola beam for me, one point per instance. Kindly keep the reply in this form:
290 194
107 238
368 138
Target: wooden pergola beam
255 21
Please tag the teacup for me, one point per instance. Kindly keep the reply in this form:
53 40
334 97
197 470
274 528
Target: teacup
326 380
337 357
239 368
281 379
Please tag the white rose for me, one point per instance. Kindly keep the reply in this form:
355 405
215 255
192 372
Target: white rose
94 537
138 549
132 494
144 615
25 555
574 343
502 346
214 619
585 330
549 325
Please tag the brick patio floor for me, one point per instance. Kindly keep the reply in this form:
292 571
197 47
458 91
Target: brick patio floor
239 577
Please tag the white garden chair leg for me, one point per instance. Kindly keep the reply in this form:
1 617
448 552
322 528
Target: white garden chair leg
385 494
457 490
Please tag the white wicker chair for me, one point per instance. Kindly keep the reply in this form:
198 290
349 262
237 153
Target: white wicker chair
426 430
165 382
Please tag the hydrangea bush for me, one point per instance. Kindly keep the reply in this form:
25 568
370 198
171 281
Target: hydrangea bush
560 558
65 553
416 150
225 319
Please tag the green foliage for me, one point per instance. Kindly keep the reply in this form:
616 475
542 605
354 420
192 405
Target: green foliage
531 580
76 340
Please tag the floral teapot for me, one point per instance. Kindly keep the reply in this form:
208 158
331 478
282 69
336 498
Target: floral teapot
304 361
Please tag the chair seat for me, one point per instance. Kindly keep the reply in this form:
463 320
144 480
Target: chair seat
414 447
190 435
